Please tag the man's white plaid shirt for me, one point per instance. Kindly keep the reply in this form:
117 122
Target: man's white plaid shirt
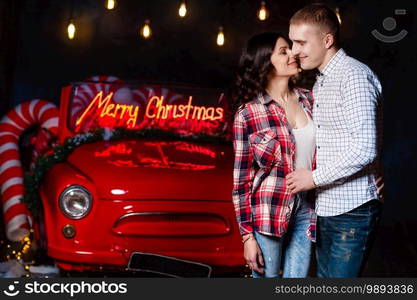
347 113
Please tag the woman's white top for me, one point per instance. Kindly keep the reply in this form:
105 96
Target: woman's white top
305 144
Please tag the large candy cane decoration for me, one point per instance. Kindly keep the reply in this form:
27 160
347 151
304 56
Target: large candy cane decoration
144 93
88 90
36 112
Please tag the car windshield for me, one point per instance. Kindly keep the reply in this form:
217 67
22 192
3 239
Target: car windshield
185 110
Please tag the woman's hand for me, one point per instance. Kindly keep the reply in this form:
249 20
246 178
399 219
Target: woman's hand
380 186
253 255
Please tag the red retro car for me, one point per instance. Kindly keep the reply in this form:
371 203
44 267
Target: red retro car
157 203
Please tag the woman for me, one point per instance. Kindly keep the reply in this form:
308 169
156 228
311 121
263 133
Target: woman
273 135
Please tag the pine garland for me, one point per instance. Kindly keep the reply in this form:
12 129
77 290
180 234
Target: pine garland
33 179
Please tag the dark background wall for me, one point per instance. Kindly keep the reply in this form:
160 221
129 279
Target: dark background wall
37 59
181 50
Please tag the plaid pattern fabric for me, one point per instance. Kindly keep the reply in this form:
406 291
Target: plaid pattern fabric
348 117
264 154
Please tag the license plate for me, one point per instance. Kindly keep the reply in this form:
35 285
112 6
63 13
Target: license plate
166 265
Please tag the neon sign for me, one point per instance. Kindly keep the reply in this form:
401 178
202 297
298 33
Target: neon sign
103 108
161 111
111 110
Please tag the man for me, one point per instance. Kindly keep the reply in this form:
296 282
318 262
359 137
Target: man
347 105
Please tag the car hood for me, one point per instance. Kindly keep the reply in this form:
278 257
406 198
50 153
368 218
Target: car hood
149 169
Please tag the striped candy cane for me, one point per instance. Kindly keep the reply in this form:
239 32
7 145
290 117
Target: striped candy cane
88 90
144 93
36 112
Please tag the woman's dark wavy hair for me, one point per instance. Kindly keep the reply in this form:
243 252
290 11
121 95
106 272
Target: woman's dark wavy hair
254 67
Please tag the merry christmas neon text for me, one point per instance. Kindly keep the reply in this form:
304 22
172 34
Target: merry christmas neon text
111 110
155 109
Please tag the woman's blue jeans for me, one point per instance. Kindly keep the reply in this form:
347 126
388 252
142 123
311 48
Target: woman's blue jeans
293 251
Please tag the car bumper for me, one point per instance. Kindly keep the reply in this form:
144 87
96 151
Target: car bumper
201 231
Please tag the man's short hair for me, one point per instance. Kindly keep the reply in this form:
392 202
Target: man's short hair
320 15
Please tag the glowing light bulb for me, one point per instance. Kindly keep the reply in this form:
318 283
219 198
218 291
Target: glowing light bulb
182 11
220 37
71 30
111 4
337 11
146 30
263 12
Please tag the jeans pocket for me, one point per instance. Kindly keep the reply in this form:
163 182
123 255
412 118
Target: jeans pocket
358 214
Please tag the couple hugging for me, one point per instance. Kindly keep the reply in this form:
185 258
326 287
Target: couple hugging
306 165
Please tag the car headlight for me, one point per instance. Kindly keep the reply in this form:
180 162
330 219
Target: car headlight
75 202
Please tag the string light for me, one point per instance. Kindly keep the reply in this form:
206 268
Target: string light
337 11
20 252
71 30
146 30
263 12
220 37
110 4
182 11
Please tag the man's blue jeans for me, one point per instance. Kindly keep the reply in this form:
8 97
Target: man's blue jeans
293 251
344 241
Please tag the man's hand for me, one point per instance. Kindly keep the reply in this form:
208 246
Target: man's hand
300 180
